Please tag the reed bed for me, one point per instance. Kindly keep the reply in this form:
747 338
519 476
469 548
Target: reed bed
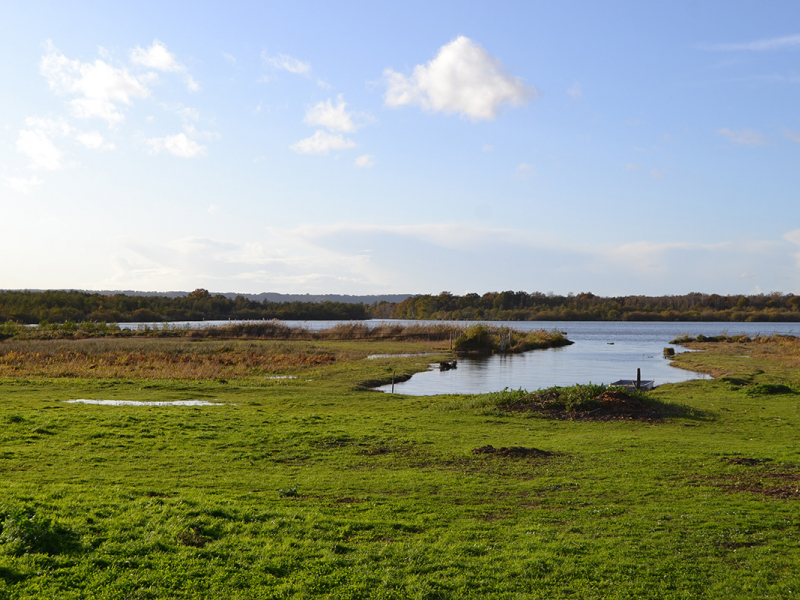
156 359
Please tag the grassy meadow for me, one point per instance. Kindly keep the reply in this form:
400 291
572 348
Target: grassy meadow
300 482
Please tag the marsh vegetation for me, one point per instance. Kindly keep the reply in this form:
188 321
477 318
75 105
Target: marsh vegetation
299 482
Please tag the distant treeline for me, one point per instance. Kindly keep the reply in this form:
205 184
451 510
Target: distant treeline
63 306
522 306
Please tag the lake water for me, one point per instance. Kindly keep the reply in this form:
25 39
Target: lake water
603 352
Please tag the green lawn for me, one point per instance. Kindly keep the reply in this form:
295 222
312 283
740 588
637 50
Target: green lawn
316 487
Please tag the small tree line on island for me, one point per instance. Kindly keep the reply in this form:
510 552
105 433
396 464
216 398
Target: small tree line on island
59 306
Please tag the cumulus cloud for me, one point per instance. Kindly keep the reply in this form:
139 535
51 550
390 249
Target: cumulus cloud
178 145
159 58
463 78
365 161
777 43
99 87
322 142
334 118
39 149
22 185
744 137
156 57
287 63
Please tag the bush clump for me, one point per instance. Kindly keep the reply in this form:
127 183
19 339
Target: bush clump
484 339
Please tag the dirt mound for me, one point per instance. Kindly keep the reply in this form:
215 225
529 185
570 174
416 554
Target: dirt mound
617 402
511 451
611 405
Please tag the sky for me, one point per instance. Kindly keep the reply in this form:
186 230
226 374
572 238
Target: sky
368 147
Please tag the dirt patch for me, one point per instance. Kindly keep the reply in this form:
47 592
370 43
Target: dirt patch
747 462
611 405
193 537
771 481
511 451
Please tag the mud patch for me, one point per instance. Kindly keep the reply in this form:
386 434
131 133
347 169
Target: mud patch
512 451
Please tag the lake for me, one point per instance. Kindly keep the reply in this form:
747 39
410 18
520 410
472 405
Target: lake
603 352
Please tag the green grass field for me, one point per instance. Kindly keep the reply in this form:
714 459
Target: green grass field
314 486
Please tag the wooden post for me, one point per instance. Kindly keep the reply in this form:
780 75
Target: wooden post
393 382
638 379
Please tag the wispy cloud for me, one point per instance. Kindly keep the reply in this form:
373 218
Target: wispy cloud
744 137
287 63
178 145
365 161
22 185
777 43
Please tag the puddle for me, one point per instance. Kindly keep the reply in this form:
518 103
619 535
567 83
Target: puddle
137 403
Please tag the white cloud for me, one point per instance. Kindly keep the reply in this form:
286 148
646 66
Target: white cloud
321 143
178 145
21 185
524 170
230 58
94 141
744 137
159 58
39 149
49 126
335 118
656 173
794 238
463 78
156 57
790 41
576 91
287 63
191 84
365 161
324 84
632 167
792 135
488 148
99 87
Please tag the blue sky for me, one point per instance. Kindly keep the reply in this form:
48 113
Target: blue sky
356 147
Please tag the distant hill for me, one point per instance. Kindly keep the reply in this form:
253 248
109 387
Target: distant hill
268 296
